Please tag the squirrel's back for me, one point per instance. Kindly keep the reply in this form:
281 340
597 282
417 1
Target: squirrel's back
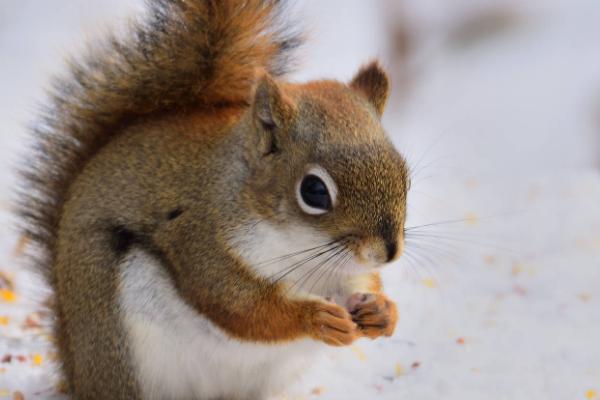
187 55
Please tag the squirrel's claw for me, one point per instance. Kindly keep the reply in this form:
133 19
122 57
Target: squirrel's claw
333 325
375 314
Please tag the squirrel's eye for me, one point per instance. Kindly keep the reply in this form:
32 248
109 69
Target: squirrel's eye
316 192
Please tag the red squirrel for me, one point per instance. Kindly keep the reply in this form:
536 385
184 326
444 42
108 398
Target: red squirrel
206 226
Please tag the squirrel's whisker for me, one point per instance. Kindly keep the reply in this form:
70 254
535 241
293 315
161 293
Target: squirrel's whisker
430 259
408 261
329 272
306 276
450 233
335 258
433 256
294 254
448 222
413 262
436 140
319 251
440 238
431 246
300 263
463 220
423 266
340 266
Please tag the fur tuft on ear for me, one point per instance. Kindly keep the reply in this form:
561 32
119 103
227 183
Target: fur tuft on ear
272 110
373 83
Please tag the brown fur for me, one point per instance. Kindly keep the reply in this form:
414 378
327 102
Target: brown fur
373 83
175 142
377 317
189 55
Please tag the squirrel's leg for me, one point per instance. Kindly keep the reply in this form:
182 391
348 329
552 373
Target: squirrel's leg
374 313
250 307
92 342
263 313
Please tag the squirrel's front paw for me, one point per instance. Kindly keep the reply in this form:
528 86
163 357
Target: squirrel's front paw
332 324
375 314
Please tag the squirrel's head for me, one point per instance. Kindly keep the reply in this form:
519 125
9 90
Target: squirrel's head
323 174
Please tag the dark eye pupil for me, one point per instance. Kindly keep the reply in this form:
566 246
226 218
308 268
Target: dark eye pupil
315 193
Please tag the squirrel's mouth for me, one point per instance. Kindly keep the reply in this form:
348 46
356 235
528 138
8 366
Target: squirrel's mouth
374 252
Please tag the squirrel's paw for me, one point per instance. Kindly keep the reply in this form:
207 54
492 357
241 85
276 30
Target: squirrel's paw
375 314
332 324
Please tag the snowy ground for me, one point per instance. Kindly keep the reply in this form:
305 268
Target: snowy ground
504 135
506 307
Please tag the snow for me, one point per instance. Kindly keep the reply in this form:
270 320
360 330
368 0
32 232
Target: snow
504 138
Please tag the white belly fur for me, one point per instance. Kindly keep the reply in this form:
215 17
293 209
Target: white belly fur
179 354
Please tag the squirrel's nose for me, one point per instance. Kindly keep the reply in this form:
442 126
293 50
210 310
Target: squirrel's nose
391 248
392 240
394 248
383 247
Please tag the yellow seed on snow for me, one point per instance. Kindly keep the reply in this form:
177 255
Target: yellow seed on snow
430 283
517 269
471 219
591 394
8 295
359 353
4 320
37 359
399 370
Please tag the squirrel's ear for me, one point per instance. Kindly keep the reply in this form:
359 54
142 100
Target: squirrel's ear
272 111
373 83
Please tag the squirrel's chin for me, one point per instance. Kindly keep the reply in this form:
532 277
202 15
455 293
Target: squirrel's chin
355 267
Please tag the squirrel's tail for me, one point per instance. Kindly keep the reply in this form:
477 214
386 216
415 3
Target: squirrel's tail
188 54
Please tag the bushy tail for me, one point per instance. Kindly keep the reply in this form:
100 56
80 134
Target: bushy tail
188 54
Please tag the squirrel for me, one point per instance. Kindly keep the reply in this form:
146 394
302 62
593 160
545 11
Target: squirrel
206 226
